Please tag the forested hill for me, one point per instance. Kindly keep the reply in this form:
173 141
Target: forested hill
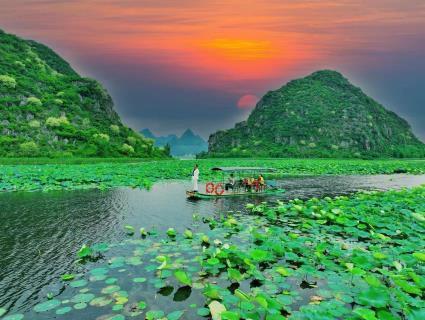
321 115
47 109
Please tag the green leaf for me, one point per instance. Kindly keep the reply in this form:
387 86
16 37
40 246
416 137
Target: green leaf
203 312
67 277
283 271
259 255
188 234
84 252
129 229
205 239
385 315
213 261
419 256
234 274
373 281
366 314
374 297
16 316
183 277
46 306
407 287
229 315
175 315
171 232
241 295
212 292
139 280
154 314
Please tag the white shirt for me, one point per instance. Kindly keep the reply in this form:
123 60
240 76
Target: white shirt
196 174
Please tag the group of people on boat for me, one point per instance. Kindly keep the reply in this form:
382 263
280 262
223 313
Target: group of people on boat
247 183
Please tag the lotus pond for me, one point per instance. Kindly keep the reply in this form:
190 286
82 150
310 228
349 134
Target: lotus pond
142 174
323 257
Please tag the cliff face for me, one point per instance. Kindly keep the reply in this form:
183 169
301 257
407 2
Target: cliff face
47 109
319 115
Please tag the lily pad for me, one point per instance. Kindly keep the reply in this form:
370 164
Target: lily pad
100 301
78 283
63 310
46 306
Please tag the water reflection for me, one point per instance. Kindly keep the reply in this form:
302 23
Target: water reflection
40 232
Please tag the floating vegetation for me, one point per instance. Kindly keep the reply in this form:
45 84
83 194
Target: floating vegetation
143 174
359 257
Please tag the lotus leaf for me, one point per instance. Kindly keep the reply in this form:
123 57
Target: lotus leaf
100 301
46 306
374 297
183 277
17 316
63 310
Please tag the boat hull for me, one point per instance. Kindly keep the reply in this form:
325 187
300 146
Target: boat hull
200 195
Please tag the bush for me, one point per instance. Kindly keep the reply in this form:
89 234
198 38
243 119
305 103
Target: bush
7 82
33 101
132 141
56 122
29 148
115 129
127 149
101 137
19 64
59 102
34 124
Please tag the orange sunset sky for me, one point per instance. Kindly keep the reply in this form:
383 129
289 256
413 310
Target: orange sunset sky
170 65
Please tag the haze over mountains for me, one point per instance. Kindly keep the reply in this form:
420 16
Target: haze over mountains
321 115
188 144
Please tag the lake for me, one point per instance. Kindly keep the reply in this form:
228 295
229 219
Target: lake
40 233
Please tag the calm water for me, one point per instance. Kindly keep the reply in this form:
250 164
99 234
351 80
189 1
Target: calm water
41 232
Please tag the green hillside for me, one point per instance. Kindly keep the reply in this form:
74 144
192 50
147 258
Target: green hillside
321 115
47 109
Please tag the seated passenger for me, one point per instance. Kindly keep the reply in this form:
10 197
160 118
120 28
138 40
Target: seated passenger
261 182
245 183
230 183
250 183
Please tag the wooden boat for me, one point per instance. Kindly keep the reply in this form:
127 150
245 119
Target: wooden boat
201 195
217 189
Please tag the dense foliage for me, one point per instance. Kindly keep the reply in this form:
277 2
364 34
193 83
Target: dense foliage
142 174
321 115
47 109
353 258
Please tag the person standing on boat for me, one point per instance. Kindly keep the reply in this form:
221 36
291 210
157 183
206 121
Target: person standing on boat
195 177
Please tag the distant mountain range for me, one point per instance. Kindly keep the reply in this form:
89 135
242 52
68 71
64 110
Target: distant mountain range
187 144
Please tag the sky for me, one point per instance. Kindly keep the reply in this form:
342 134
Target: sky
203 64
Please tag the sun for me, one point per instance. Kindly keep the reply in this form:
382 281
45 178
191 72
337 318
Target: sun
239 49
